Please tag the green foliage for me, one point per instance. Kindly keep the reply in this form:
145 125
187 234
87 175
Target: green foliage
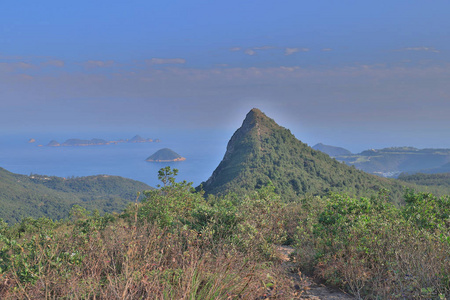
247 222
261 214
427 211
219 218
171 204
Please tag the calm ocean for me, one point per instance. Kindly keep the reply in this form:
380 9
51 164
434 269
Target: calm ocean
203 152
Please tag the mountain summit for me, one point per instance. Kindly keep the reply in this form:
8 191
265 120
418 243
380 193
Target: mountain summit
261 151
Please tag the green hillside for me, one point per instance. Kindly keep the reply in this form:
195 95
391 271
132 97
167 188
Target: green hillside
261 151
440 180
38 195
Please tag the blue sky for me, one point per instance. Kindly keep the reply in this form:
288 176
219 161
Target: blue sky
358 74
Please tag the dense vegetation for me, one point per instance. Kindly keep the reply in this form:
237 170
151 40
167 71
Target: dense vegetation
49 196
440 180
262 151
175 244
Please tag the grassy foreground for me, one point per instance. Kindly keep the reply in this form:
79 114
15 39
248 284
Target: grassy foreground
177 245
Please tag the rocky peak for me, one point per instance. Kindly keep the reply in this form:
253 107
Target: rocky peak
253 118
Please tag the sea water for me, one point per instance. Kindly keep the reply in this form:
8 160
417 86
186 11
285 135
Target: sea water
203 152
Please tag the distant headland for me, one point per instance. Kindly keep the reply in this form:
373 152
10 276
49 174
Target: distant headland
96 142
165 155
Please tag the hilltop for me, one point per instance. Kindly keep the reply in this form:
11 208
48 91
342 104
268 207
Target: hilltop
261 151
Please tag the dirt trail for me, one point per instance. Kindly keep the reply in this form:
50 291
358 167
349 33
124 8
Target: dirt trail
305 286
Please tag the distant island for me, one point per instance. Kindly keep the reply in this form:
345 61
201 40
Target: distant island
391 162
165 155
96 142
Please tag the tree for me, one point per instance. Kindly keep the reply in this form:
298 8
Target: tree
170 204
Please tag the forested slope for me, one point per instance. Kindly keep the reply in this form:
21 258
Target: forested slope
50 196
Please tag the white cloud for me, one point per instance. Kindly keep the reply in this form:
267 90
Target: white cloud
426 49
289 69
290 51
165 61
327 49
250 52
17 63
98 63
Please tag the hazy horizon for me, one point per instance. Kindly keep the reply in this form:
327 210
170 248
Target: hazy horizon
219 138
351 74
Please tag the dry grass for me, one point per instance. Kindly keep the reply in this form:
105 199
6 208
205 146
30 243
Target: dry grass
119 261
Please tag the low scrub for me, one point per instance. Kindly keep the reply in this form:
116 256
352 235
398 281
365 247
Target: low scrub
172 245
376 250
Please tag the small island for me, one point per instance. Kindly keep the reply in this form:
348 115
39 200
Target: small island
165 155
53 143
